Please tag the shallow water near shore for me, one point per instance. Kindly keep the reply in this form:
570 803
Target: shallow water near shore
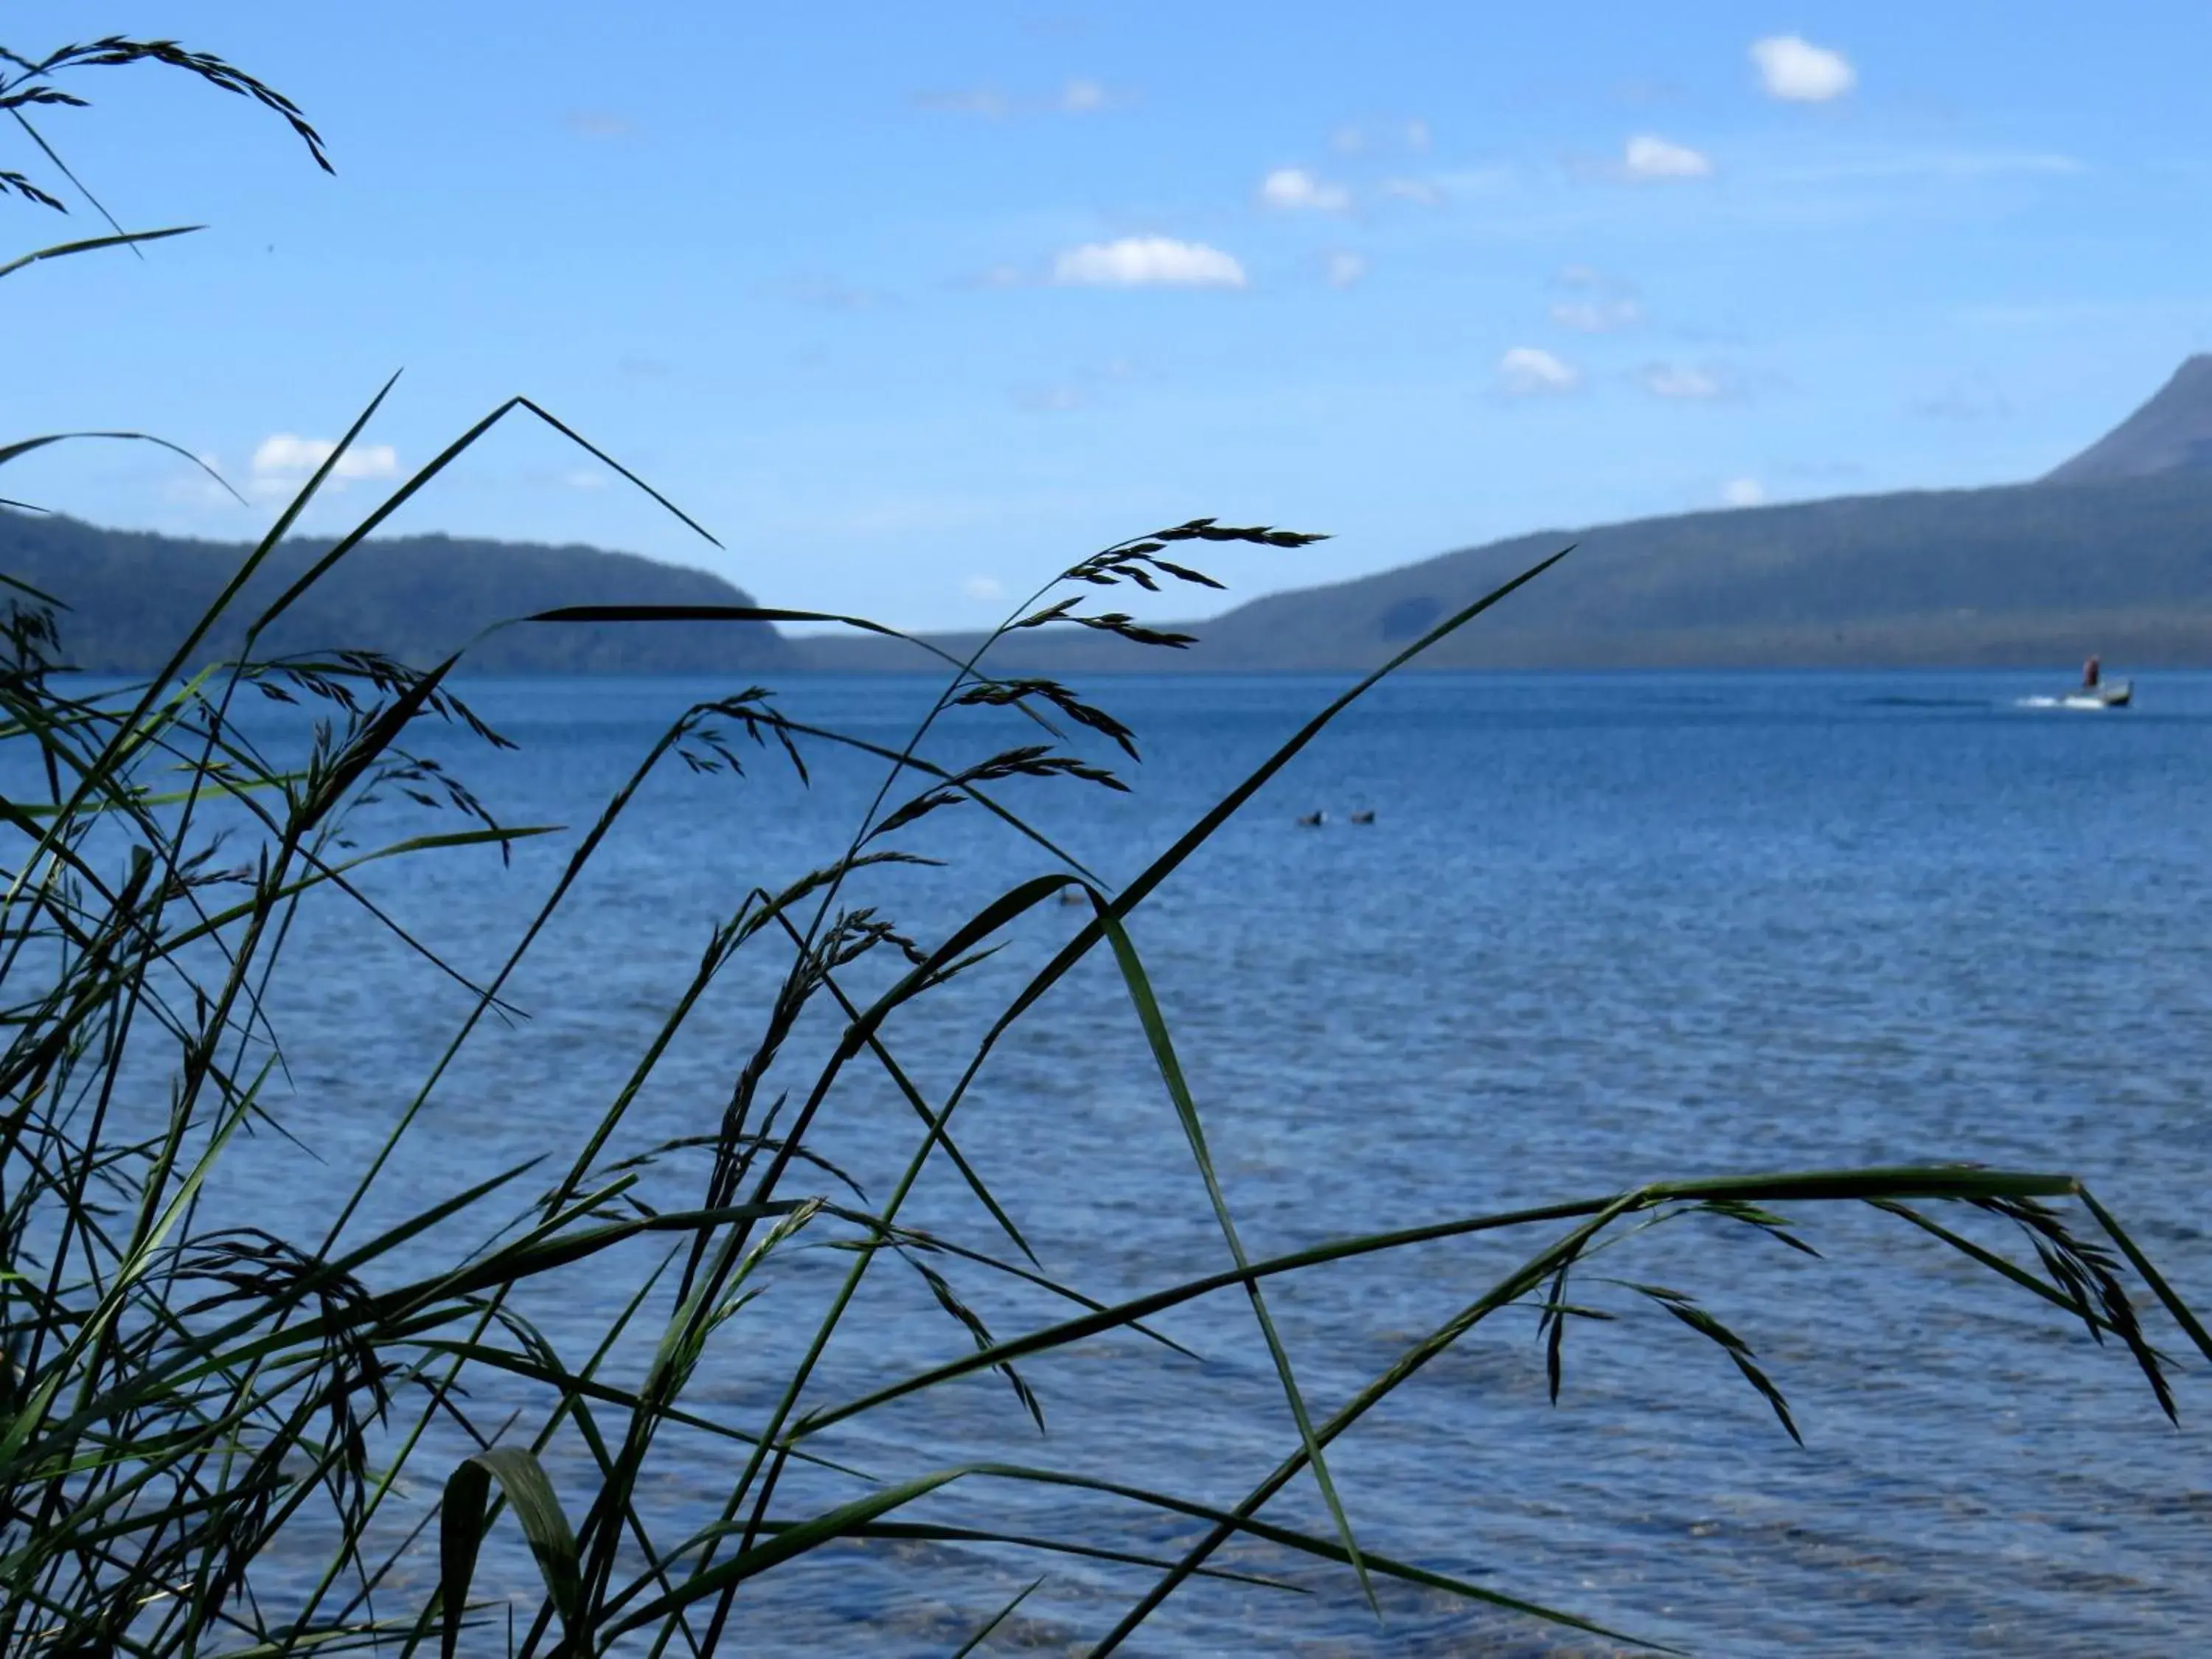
1603 929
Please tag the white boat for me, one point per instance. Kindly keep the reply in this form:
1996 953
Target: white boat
2115 695
2094 692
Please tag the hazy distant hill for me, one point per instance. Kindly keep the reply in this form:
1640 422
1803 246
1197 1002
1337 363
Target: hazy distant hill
132 596
2028 574
2171 433
2112 552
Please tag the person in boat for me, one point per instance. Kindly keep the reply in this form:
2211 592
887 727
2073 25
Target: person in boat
2090 672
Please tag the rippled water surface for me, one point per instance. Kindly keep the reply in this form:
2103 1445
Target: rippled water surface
1603 929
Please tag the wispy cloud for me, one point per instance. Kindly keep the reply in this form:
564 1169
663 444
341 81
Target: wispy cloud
1532 371
986 101
1973 400
598 124
1644 92
1294 190
1590 302
282 462
1425 192
1050 399
1385 137
1147 261
1083 388
1791 67
1078 96
1959 165
2054 313
1649 159
1743 492
827 294
1344 268
1687 382
1596 316
984 589
196 489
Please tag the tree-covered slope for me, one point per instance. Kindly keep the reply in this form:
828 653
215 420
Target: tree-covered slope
132 597
2025 575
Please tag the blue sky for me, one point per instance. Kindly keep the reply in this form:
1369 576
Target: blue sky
912 305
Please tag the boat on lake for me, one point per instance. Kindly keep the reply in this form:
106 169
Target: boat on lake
2094 692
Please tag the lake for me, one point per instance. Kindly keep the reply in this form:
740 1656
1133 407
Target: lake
1603 929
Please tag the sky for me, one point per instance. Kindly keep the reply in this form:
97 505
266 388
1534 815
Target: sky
911 306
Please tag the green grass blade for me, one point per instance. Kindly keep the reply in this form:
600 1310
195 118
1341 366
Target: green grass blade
1814 1186
1156 1035
983 1634
537 1508
461 1519
126 239
2168 1298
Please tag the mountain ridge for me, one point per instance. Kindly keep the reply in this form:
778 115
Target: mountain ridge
2171 432
2110 552
2011 575
132 595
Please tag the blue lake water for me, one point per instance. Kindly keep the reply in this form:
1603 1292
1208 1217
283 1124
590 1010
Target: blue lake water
1603 929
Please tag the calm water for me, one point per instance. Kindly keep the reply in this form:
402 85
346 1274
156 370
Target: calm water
1603 929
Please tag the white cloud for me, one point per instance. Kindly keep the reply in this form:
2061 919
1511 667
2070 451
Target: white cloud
283 461
1294 188
1531 372
1683 383
1345 270
1135 261
1647 157
1743 492
984 589
1417 137
1792 66
584 477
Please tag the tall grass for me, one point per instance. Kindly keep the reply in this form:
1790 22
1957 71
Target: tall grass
220 1439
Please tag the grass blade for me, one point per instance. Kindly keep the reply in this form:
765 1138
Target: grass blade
1142 996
